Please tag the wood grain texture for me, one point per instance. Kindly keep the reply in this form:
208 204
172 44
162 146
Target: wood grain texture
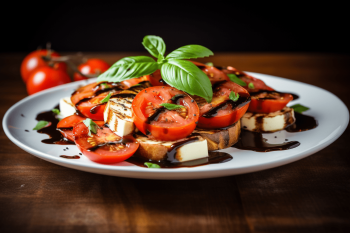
310 195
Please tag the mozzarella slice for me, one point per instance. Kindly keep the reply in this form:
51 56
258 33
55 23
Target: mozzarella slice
271 122
192 151
118 115
66 107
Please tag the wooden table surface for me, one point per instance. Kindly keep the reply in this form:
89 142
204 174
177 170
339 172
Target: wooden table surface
310 195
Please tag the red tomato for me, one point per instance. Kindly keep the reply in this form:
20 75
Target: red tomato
65 126
214 74
45 77
266 102
258 83
222 111
93 108
34 60
132 82
104 146
163 124
92 66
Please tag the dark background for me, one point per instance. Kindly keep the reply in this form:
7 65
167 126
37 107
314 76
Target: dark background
222 27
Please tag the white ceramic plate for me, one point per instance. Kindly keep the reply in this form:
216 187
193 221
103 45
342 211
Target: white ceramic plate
331 126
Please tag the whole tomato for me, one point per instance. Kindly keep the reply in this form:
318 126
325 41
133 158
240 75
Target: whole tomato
91 67
45 77
34 60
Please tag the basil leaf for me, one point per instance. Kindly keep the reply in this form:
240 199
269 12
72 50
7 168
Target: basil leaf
105 100
40 125
209 64
251 86
234 96
151 165
128 68
299 108
171 106
190 51
91 125
56 111
237 80
105 85
155 46
187 77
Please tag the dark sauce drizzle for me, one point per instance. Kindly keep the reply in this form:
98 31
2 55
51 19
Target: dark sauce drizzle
302 123
242 100
55 136
70 157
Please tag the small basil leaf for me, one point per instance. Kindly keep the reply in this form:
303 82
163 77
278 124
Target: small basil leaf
91 125
209 64
128 68
105 100
105 85
171 106
155 46
151 165
234 96
56 111
237 80
187 77
251 86
40 125
189 52
299 108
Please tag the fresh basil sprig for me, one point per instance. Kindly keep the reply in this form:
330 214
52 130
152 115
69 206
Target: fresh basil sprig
40 125
91 125
171 106
151 165
234 96
237 80
178 73
251 86
299 108
56 111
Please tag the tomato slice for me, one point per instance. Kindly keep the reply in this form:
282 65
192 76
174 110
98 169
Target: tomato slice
87 99
214 74
65 126
223 112
104 146
159 123
268 101
258 83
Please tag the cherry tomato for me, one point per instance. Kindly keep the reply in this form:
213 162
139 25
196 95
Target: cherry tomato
34 60
104 146
266 102
65 126
258 83
92 66
222 111
214 74
45 77
158 122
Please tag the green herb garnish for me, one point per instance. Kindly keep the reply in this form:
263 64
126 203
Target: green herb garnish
105 85
40 125
178 73
171 106
91 125
299 108
105 100
209 64
237 80
234 96
151 165
56 111
251 86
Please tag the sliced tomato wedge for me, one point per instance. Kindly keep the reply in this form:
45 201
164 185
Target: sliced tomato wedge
268 101
223 112
160 123
214 74
87 99
258 83
104 146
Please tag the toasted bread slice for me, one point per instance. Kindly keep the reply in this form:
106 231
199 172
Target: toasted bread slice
186 149
220 138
